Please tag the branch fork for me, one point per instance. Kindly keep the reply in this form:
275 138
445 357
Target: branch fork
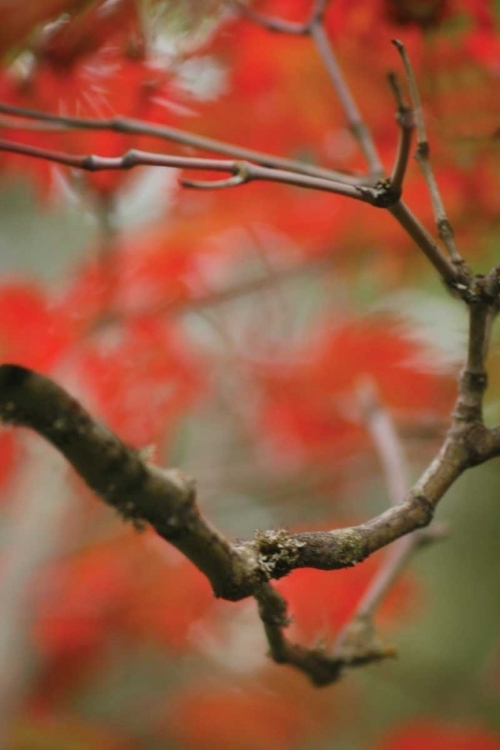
166 499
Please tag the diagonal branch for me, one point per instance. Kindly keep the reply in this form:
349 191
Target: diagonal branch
139 491
315 29
450 274
126 125
422 154
354 119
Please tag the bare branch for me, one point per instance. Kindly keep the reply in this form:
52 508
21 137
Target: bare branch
281 26
386 442
142 493
359 636
422 154
271 23
448 272
405 119
314 27
242 171
174 135
313 662
139 491
474 377
352 113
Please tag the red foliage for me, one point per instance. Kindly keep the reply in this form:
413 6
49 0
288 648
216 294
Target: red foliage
440 737
140 376
113 321
255 715
311 400
31 332
321 603
122 592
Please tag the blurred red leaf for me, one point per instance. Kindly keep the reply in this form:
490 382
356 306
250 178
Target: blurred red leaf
440 737
321 602
31 332
100 23
168 596
257 715
311 399
141 377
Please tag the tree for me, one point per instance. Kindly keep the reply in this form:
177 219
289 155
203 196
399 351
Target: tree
247 305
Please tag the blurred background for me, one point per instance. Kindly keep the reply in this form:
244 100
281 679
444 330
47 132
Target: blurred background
236 334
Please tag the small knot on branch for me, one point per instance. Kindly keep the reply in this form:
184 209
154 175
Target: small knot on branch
384 194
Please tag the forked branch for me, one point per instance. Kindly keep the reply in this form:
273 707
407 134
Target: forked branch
166 499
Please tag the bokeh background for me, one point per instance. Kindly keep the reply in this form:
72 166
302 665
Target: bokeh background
232 333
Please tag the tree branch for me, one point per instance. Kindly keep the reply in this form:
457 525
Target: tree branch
422 154
385 440
406 122
166 499
243 172
448 272
314 28
139 491
354 119
126 125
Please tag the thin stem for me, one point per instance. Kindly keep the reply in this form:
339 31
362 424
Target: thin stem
271 23
243 171
314 28
174 135
386 442
351 111
422 155
315 663
406 124
423 239
359 634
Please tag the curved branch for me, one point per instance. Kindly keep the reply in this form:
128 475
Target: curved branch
142 492
139 491
166 499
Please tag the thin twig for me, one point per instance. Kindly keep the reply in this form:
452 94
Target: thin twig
314 27
406 122
385 441
174 135
422 154
313 662
447 270
243 171
356 123
359 634
279 25
380 196
271 23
